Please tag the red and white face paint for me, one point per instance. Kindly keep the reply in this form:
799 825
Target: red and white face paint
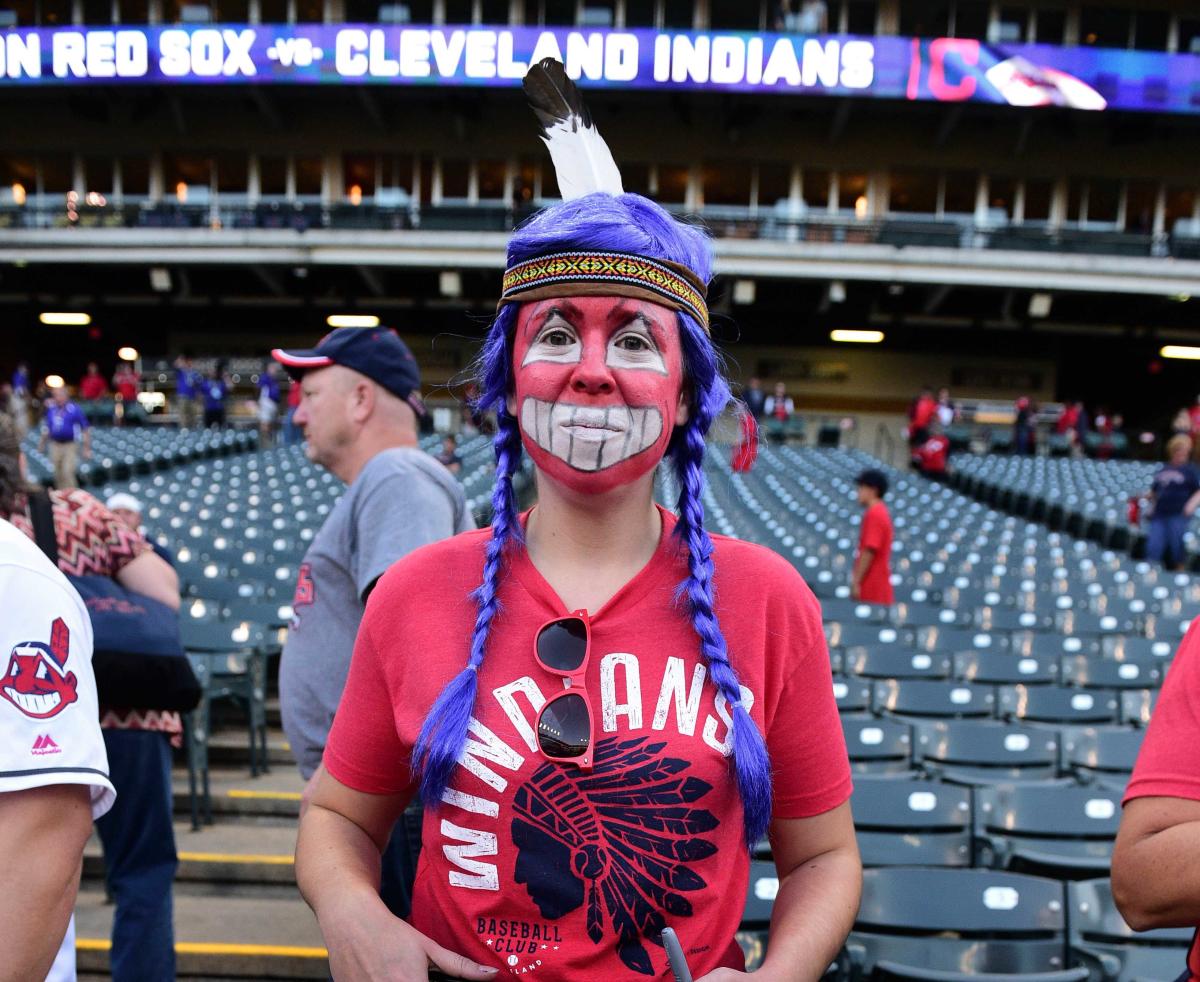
598 383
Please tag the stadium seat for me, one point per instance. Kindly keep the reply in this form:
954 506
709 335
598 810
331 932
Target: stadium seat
1103 755
1003 668
1057 704
852 695
893 663
933 698
1101 673
985 752
911 822
1051 829
878 745
1102 940
947 925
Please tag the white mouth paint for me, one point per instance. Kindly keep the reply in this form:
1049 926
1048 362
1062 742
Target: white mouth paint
34 704
590 438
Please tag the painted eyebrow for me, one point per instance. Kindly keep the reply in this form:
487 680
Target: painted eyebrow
624 316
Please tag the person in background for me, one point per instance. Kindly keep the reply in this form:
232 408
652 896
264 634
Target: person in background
920 413
871 579
53 769
215 390
947 411
777 410
268 404
137 835
449 457
20 378
1024 435
779 405
1112 436
1156 859
1175 494
65 425
21 398
291 432
92 386
755 398
361 399
931 457
126 382
128 510
1193 413
187 390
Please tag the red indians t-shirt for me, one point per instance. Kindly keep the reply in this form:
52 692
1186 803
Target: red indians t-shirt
1168 765
540 869
876 534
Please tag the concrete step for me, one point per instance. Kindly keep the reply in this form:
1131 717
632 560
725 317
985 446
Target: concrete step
227 852
235 794
232 746
235 938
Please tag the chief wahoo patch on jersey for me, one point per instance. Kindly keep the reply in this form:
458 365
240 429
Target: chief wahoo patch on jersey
35 682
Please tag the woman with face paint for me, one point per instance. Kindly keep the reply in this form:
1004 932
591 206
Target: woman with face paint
603 707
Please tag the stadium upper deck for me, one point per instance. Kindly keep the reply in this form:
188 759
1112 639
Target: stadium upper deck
920 166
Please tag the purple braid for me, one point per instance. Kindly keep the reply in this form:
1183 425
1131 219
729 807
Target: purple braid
444 732
749 750
628 223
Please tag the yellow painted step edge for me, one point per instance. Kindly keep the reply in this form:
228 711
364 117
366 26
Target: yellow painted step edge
236 857
216 948
276 795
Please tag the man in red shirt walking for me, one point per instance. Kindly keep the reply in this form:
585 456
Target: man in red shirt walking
872 579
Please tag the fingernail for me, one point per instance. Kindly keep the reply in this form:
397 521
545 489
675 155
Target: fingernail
488 971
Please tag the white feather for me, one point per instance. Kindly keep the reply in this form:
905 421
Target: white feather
583 163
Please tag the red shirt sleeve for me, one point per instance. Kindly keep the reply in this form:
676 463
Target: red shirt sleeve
364 751
872 530
1169 762
809 765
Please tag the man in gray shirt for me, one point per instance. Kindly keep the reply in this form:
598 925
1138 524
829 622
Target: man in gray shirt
359 410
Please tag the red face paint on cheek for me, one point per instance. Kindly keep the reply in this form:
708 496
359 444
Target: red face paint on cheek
597 388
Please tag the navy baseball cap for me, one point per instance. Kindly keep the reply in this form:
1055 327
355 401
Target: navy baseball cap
376 352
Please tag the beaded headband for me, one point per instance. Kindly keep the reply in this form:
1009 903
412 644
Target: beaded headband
609 274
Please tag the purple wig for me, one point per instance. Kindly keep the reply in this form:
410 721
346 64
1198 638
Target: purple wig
632 224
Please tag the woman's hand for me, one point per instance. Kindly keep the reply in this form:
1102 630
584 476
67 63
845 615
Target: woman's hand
366 943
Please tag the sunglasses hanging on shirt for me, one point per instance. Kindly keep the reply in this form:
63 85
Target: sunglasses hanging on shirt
565 728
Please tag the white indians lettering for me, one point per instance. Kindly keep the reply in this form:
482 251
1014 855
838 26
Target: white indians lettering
621 695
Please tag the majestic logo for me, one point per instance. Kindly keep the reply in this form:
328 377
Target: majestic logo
45 744
621 840
35 682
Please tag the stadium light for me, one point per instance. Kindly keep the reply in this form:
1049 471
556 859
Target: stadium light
18 193
352 320
127 353
856 337
65 318
1183 351
54 382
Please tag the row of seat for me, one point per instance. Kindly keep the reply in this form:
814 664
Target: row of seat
941 925
1086 498
120 453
